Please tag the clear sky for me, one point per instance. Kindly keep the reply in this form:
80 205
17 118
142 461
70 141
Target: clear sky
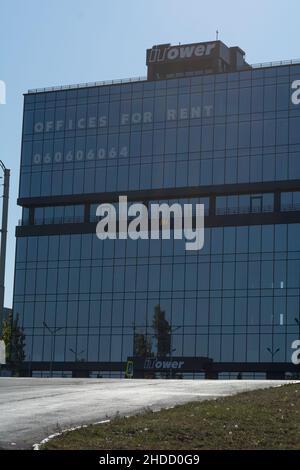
56 42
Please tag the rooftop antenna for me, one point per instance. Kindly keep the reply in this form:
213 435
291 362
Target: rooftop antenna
217 35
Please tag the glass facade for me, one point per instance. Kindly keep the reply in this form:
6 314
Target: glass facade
229 140
208 130
231 301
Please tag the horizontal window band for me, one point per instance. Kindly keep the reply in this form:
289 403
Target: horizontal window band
164 193
269 218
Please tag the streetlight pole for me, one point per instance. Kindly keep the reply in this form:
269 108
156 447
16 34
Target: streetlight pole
175 328
272 352
53 333
298 323
75 354
6 173
172 329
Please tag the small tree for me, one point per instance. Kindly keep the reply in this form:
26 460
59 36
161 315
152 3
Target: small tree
14 339
142 345
162 332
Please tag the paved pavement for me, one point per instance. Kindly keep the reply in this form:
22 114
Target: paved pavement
31 409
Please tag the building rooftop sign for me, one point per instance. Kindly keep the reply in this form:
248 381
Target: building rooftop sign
165 60
189 51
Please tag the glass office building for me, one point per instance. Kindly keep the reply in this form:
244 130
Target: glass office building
204 126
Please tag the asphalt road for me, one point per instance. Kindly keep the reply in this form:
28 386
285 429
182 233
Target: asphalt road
31 409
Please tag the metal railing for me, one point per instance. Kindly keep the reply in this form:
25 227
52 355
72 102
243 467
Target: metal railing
290 207
88 84
275 63
243 210
54 221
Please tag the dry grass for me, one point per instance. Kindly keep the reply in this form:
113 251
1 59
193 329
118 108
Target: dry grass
262 419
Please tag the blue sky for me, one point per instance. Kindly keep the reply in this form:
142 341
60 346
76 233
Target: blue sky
56 42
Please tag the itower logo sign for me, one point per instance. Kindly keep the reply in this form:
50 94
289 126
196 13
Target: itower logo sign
173 53
161 364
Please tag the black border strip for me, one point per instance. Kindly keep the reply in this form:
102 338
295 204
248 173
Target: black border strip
164 193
